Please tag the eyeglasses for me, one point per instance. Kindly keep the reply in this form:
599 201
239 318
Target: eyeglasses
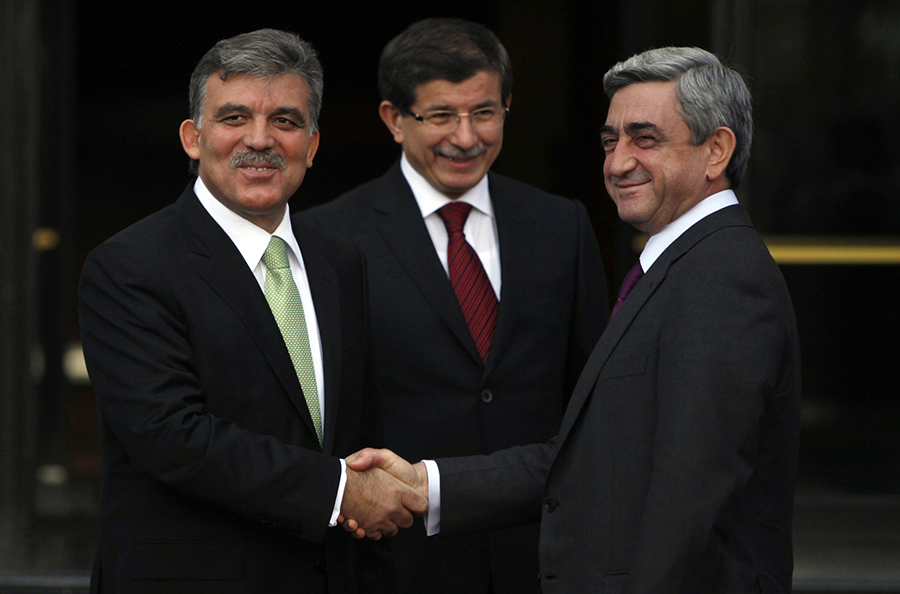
483 120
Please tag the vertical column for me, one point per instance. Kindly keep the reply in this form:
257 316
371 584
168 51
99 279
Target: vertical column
19 198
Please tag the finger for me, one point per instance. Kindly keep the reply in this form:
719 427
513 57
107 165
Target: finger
400 517
414 502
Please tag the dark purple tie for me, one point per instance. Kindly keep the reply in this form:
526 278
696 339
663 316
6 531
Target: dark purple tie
631 279
470 282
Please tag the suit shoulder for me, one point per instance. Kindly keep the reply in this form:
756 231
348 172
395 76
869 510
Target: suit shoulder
152 234
332 246
541 203
349 206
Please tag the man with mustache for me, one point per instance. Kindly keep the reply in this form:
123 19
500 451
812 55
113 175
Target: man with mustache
227 347
478 335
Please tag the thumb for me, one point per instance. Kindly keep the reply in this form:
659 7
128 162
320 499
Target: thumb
365 459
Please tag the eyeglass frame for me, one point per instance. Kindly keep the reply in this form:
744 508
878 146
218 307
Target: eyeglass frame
459 115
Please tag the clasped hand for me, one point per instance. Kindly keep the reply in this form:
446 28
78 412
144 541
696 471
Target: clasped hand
383 492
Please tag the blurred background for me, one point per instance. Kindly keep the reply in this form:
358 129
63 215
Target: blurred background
92 94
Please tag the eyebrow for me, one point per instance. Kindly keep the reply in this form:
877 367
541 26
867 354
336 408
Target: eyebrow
230 108
634 127
482 105
291 111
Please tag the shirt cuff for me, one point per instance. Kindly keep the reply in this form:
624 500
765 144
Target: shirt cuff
433 517
340 496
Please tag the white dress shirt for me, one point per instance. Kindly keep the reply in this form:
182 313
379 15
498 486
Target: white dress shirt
658 242
655 246
252 241
480 228
481 233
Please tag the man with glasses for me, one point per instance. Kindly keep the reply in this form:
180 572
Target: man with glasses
486 295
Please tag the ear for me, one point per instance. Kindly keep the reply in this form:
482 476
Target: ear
190 139
390 115
313 147
721 148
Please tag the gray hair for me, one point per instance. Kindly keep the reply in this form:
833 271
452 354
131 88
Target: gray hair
710 95
265 53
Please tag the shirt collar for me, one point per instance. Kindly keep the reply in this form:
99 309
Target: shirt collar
250 240
431 200
658 242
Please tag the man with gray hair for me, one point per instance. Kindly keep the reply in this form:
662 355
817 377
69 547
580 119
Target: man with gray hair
674 468
227 348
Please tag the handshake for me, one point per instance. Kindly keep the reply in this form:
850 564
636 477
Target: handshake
383 492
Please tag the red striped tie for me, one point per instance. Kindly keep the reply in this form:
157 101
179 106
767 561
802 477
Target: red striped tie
470 282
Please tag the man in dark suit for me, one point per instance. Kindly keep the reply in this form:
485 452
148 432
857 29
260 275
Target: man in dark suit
674 467
456 379
227 349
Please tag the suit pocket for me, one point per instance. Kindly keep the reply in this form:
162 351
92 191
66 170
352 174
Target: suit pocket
624 366
187 561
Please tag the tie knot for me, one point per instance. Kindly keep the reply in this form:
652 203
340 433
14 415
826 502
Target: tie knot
455 215
275 255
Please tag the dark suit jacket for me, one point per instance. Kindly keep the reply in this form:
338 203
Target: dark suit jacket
438 397
674 467
213 479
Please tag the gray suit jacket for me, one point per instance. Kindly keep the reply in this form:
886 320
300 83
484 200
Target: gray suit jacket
674 467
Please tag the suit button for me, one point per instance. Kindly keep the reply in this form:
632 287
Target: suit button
486 396
550 505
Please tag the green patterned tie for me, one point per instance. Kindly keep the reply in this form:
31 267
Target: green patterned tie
284 299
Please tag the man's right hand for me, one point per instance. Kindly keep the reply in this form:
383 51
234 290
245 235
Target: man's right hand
379 517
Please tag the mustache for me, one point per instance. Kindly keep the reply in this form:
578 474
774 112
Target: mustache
252 157
630 178
454 152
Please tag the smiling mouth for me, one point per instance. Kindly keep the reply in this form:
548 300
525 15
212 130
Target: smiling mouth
625 185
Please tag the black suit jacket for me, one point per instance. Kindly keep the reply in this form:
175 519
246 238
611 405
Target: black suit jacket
674 467
213 478
438 397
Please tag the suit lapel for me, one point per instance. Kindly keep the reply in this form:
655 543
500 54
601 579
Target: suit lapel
637 299
515 234
219 263
324 288
403 230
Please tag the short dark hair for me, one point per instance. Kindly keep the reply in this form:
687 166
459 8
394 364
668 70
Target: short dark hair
710 95
440 49
265 53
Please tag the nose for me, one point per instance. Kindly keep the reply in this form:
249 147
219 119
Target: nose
464 136
258 136
620 160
